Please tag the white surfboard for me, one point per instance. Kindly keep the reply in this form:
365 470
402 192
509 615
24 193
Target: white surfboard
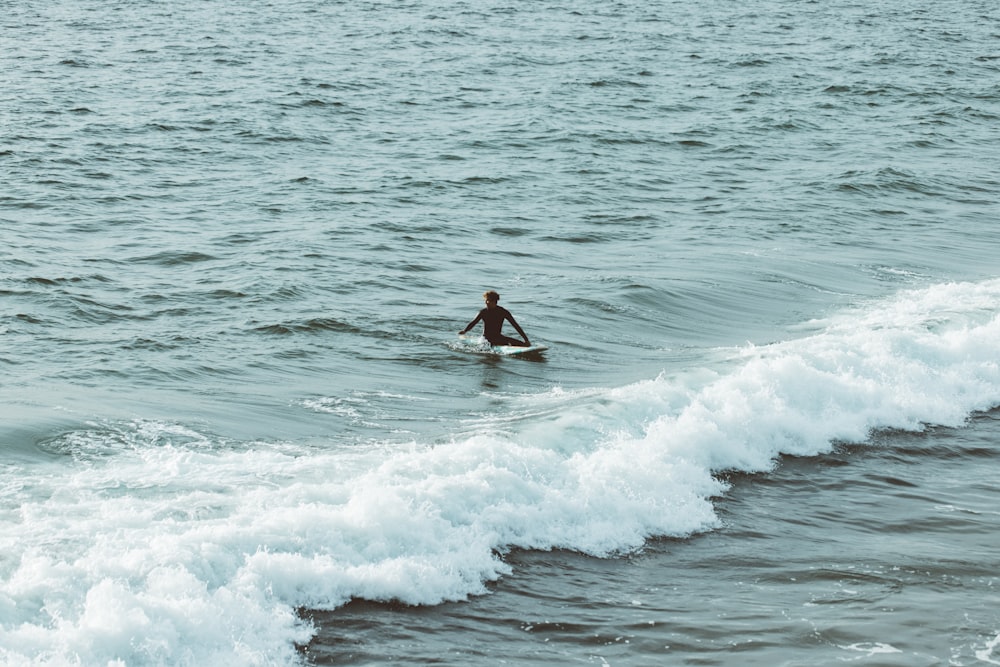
513 350
480 345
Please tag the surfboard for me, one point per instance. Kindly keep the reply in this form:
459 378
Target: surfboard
514 350
481 346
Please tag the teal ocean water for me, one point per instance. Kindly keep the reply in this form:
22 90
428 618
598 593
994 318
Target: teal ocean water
760 240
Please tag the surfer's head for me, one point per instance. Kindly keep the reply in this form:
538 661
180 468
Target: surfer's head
491 296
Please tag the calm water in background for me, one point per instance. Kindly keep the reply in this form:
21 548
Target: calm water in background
761 241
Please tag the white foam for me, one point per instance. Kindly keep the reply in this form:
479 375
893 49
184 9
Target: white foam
153 544
988 654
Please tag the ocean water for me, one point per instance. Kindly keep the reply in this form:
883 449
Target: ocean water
760 239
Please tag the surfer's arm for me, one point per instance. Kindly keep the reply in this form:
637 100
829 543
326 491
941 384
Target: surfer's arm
472 324
510 318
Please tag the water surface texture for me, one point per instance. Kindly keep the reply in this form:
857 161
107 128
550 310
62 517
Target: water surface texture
237 241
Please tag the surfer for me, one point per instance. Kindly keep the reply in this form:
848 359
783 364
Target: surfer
493 316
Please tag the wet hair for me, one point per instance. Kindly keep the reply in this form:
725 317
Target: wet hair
491 296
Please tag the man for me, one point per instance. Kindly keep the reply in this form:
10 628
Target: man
493 316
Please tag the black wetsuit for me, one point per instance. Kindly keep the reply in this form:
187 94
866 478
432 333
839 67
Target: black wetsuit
493 319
